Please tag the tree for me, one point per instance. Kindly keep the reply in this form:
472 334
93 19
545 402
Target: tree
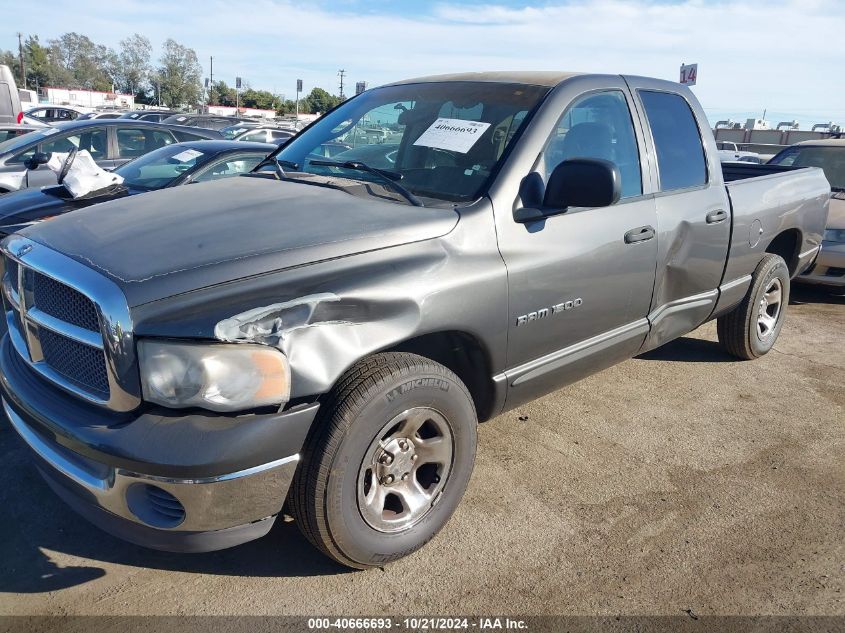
318 101
179 73
10 59
261 99
223 95
80 63
39 68
133 64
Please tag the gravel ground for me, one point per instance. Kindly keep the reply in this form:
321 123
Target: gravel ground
679 480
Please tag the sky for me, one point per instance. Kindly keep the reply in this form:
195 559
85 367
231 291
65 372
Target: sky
782 56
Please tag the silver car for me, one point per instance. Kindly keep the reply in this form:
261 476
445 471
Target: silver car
111 143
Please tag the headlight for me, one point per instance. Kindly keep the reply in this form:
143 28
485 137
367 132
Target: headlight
834 235
220 377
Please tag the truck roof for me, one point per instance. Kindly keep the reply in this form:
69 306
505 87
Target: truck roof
534 77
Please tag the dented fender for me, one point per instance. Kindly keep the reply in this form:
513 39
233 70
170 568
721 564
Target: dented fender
327 315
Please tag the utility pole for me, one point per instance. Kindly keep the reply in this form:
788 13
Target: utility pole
237 94
20 55
341 73
298 90
211 83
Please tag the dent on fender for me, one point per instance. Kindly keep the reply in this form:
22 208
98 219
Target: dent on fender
322 334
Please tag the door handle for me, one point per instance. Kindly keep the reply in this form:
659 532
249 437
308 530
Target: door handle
639 234
714 217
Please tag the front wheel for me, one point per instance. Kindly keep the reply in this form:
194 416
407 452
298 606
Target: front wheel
751 329
388 462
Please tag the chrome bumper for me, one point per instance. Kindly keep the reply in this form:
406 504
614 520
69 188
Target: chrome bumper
208 504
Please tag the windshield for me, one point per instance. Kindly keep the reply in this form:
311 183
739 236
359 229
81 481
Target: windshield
830 159
18 142
161 167
439 140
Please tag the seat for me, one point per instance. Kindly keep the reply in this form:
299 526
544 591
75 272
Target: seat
98 145
587 140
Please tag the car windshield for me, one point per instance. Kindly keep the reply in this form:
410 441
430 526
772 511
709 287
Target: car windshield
161 167
830 159
440 140
18 142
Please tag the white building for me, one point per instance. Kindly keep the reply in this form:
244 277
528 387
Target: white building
85 98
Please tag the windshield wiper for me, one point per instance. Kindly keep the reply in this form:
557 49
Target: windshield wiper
388 177
271 159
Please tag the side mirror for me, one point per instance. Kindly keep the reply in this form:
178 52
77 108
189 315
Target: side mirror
38 158
583 182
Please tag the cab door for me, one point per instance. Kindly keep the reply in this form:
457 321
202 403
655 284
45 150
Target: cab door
580 282
693 211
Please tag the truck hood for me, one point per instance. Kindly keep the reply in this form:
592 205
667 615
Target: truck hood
19 208
175 240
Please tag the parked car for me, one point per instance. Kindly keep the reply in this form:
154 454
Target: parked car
55 114
168 166
231 131
381 156
266 135
14 130
184 361
10 103
111 143
829 269
207 121
99 115
730 153
147 115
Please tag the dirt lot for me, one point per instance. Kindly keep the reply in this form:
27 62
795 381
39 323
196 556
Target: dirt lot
678 480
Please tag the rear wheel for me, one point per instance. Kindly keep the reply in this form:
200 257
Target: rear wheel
751 329
387 464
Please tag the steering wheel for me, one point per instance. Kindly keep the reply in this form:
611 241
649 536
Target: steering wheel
67 165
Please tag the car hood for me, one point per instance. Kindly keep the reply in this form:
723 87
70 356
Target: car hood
836 215
175 240
20 208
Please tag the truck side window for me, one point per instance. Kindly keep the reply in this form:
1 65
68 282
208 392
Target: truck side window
680 153
597 125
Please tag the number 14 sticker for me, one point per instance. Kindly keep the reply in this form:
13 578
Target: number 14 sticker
689 73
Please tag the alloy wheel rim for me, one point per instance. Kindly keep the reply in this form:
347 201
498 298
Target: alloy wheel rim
405 469
769 310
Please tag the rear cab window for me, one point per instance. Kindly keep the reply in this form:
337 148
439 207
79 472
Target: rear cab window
681 161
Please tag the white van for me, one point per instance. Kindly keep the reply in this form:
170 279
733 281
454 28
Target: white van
10 103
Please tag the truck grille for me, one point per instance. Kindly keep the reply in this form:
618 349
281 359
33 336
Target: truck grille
52 340
82 365
64 303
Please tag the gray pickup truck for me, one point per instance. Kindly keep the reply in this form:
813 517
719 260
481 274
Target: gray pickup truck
329 330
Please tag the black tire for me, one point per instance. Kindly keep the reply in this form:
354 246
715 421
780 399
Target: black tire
739 330
324 495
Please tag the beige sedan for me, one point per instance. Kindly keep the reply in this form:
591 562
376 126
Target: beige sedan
829 154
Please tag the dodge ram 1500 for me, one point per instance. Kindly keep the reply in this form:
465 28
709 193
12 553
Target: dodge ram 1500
329 332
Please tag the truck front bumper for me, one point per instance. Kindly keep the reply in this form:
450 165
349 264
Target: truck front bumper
189 485
829 267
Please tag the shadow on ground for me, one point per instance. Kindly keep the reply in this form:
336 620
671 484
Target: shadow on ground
689 350
37 524
801 294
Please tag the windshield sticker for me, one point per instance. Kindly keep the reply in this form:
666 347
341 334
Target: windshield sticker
188 154
455 135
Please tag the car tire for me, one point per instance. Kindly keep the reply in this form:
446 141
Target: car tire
751 329
387 462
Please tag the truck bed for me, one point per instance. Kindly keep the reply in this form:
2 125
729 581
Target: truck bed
742 171
766 200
